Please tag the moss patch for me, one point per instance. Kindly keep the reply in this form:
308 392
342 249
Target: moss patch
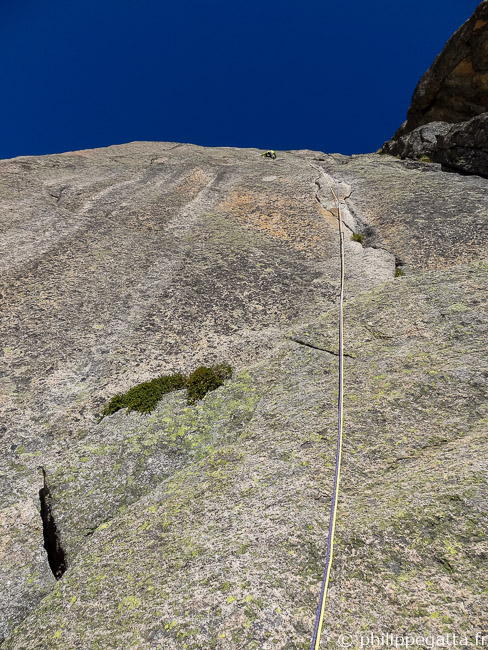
145 396
357 236
205 379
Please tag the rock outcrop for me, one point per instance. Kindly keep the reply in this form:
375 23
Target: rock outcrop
447 119
204 525
464 147
455 87
421 142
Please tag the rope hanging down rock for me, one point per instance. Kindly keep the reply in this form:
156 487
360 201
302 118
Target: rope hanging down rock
319 620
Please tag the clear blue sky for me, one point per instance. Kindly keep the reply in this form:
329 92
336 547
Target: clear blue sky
281 74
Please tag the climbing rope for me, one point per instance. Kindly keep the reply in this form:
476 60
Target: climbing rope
319 620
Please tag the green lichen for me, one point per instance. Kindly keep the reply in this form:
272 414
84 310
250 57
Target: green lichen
399 272
145 396
357 236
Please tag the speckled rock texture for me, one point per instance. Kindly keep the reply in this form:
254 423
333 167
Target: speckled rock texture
447 119
124 263
427 218
204 526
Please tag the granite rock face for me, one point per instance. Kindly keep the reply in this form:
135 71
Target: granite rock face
204 525
124 263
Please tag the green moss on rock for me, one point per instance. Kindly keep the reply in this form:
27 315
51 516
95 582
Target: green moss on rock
145 396
203 379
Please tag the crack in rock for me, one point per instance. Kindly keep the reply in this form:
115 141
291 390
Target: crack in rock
316 347
52 543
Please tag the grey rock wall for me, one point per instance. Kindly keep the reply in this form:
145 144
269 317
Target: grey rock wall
204 526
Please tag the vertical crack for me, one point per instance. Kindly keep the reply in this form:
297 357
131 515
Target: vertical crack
52 543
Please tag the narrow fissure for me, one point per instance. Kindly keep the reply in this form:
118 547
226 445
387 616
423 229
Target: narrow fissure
316 347
52 543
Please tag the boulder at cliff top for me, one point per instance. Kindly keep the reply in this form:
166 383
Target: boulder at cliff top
459 147
204 525
422 141
464 147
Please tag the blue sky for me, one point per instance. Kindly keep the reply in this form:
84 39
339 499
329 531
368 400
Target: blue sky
280 74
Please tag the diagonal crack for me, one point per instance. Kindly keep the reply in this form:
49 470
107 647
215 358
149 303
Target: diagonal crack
317 347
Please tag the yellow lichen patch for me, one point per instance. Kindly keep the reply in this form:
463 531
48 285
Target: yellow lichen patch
465 67
282 218
479 24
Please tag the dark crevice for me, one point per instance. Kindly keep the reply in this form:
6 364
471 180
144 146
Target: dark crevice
399 267
445 564
316 347
52 543
395 463
57 196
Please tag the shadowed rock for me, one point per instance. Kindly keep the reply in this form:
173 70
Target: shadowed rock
459 147
464 147
422 141
455 88
447 119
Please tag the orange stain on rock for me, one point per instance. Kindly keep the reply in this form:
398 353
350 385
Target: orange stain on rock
284 218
